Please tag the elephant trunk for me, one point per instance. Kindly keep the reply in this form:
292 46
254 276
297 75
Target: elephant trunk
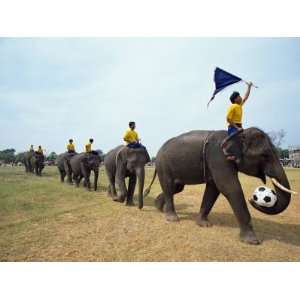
141 178
276 171
96 174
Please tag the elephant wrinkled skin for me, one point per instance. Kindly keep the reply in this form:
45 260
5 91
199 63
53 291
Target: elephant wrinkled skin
122 162
196 157
82 164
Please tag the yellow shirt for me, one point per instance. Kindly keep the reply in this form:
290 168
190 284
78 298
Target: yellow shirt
71 147
235 113
130 136
88 147
40 150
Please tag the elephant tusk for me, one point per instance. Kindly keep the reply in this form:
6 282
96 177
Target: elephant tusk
276 183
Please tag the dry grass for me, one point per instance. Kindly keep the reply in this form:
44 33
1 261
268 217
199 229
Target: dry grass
44 220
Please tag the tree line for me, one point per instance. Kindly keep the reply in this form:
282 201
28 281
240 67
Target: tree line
9 156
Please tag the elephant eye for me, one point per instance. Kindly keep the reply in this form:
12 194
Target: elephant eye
265 157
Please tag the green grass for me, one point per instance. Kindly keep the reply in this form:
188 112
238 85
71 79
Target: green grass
44 220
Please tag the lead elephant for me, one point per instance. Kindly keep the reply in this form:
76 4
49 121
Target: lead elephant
196 157
82 164
37 163
64 167
122 162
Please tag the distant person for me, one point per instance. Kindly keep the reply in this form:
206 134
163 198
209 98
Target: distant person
31 148
71 146
88 146
234 119
131 137
40 150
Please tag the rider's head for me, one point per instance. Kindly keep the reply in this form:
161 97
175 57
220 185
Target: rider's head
91 140
236 98
70 141
132 125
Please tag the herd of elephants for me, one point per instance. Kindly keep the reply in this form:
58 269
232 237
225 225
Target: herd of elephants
191 158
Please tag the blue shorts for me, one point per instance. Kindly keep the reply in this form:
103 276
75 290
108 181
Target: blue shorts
232 130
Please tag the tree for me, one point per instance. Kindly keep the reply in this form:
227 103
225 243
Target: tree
7 155
19 157
52 156
277 137
100 153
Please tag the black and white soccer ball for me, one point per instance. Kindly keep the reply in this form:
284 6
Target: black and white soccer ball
264 196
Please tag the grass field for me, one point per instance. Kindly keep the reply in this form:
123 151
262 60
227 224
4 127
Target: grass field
44 220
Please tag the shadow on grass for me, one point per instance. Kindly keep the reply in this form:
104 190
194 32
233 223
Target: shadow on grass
149 201
265 229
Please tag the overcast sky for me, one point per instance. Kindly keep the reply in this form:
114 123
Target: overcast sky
53 89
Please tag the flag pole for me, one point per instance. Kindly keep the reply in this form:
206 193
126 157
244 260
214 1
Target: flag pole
248 83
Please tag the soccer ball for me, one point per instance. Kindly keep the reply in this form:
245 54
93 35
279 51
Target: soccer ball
264 196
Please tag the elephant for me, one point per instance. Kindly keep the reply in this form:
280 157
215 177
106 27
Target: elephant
37 163
64 167
196 157
27 161
82 164
122 162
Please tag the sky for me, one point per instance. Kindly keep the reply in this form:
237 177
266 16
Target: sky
53 89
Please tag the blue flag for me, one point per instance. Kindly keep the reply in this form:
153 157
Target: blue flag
222 80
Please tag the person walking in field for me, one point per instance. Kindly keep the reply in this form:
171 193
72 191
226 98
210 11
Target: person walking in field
234 119
71 146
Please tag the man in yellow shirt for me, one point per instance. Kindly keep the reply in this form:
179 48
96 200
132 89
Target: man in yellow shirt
131 137
234 118
71 146
88 147
40 150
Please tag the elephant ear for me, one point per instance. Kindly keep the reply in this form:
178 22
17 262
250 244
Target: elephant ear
254 144
121 157
84 160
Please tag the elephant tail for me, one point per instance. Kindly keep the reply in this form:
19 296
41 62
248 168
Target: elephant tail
147 191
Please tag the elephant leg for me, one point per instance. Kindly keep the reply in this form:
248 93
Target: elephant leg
62 175
131 188
112 187
86 174
68 171
123 190
109 191
169 189
77 179
211 194
235 196
160 202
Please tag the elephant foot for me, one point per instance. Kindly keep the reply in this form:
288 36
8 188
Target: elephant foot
117 199
203 222
249 237
159 203
172 217
130 203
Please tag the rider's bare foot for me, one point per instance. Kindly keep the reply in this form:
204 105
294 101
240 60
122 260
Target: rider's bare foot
231 157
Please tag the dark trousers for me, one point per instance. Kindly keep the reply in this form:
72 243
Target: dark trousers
135 145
